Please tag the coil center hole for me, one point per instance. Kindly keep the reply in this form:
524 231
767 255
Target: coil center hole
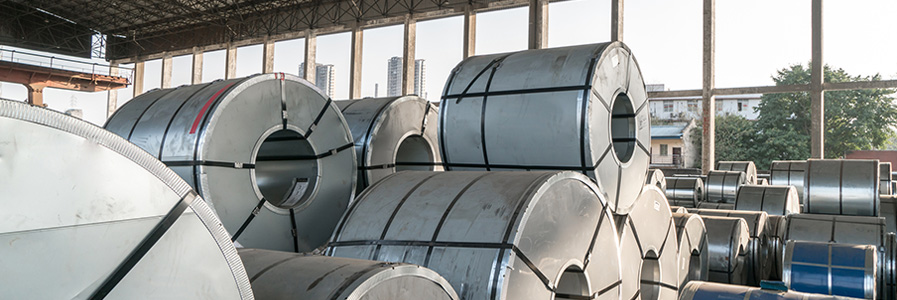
414 149
650 277
286 169
572 285
622 127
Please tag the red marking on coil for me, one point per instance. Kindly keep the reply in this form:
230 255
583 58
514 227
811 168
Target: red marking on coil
206 108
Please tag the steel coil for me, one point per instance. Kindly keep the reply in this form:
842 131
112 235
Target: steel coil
88 215
831 269
889 212
285 275
762 181
710 205
775 228
268 151
884 178
649 249
836 229
579 108
655 177
684 191
694 259
758 251
391 135
722 186
498 235
678 209
889 282
698 290
748 167
842 187
789 172
727 240
777 200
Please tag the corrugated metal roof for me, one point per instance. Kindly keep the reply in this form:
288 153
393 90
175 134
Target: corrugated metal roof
674 131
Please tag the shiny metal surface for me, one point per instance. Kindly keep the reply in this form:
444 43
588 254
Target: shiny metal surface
889 212
684 191
709 205
884 178
579 108
77 204
391 135
762 181
287 275
655 177
722 186
778 200
728 240
698 290
758 251
679 209
649 251
889 268
789 172
694 259
748 167
274 137
775 228
850 270
495 235
842 187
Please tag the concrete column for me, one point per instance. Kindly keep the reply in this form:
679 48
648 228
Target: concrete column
538 24
817 95
268 56
36 94
408 55
470 32
138 78
112 95
230 63
616 20
197 67
166 71
355 63
708 105
311 46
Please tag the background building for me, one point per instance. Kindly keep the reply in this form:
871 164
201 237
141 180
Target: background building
687 108
324 75
394 77
672 147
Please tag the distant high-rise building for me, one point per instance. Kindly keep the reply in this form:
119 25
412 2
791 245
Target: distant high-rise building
324 77
394 77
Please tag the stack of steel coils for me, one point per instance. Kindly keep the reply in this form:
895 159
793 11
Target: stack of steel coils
684 191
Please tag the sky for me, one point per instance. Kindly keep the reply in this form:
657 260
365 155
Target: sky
753 40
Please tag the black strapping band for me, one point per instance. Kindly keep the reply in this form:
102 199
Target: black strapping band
660 284
255 211
209 163
497 246
311 128
533 268
294 231
608 288
393 165
305 157
520 91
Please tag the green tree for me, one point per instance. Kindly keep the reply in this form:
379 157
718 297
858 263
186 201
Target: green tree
735 137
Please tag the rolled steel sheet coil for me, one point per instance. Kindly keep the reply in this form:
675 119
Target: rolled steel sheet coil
649 249
497 235
842 187
694 259
776 231
579 108
889 212
748 167
762 181
758 251
789 172
777 200
722 186
831 269
711 205
270 152
655 177
893 187
104 220
727 240
286 275
699 290
884 178
391 135
890 267
684 191
678 209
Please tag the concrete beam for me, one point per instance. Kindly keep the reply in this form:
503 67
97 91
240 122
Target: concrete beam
166 72
708 105
197 67
138 78
817 95
538 24
268 56
408 55
311 47
230 62
112 95
470 31
616 20
355 63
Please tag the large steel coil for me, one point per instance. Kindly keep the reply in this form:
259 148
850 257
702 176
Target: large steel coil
694 259
748 167
655 177
722 186
842 187
758 251
889 282
698 290
727 240
789 172
286 275
888 211
580 108
684 191
713 205
884 178
87 215
678 209
778 200
775 228
649 251
831 269
496 235
268 151
836 229
391 135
